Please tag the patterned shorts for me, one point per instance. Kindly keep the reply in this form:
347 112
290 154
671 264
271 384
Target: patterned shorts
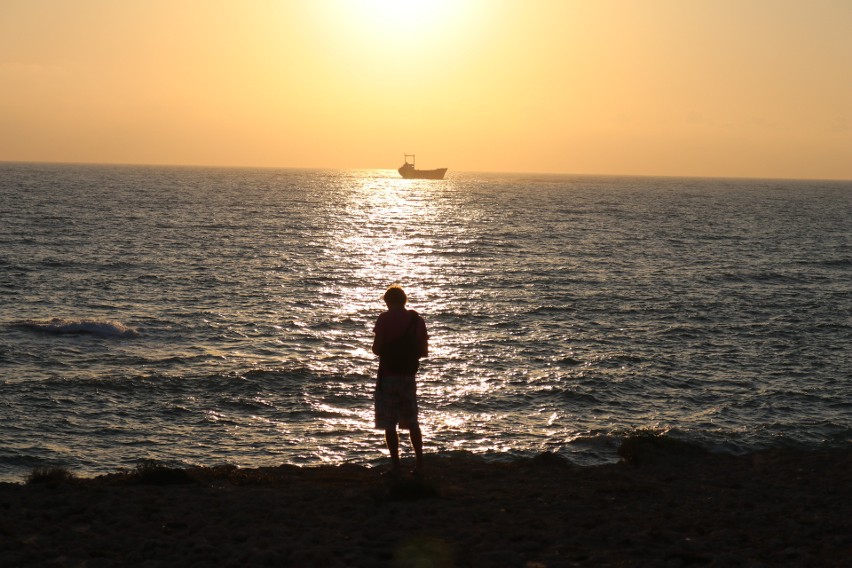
396 402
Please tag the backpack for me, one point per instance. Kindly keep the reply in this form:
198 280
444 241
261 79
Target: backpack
402 355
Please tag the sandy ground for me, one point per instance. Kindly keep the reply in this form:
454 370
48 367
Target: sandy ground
667 507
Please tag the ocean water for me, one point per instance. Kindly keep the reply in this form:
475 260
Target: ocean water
206 316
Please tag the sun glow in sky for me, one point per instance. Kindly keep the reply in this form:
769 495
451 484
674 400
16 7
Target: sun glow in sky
759 88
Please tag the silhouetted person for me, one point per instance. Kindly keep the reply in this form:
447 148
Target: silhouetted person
401 340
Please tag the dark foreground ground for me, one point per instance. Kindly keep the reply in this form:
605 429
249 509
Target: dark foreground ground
668 506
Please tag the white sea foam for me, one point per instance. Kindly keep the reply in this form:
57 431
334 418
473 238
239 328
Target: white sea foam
101 328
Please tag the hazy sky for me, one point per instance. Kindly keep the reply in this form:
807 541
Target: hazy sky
757 88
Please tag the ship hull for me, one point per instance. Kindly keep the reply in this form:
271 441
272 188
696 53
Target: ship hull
411 173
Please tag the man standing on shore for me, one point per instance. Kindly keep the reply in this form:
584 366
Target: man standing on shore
401 340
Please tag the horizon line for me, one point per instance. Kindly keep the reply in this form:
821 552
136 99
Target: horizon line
503 172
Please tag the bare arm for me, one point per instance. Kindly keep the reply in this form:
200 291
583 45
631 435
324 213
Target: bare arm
424 340
377 343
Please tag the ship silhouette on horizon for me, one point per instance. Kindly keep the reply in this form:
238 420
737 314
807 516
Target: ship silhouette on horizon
408 171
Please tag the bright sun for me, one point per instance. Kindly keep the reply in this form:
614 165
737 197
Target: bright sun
394 20
406 13
393 42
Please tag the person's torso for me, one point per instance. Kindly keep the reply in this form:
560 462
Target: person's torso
392 325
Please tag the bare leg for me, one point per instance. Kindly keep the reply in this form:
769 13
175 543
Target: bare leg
392 440
417 443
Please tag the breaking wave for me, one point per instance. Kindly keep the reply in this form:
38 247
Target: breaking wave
100 328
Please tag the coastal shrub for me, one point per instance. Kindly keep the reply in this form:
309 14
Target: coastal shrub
152 472
49 475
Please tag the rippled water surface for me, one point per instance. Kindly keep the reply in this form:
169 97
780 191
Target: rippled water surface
201 316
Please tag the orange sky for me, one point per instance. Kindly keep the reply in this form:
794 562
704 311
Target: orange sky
755 88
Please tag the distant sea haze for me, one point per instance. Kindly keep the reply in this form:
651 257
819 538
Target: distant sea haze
208 316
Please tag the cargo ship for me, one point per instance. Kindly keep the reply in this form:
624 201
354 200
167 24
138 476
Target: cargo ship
408 171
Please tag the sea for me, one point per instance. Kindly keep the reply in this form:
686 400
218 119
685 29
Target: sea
197 316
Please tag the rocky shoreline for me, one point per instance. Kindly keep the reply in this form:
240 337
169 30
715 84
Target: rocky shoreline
663 506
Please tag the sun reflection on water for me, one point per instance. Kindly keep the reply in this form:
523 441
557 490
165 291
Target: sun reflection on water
394 232
381 230
381 239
